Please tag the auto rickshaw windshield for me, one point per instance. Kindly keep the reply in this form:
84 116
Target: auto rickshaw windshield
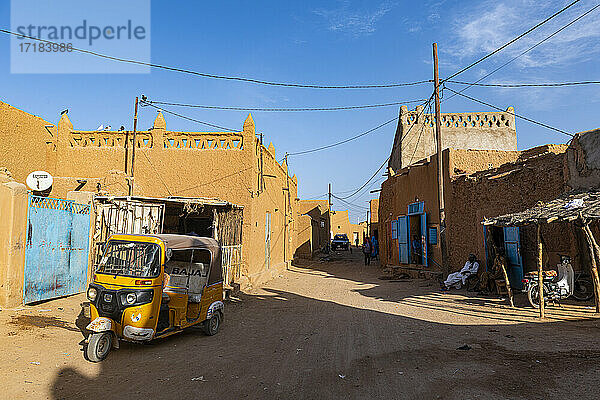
134 259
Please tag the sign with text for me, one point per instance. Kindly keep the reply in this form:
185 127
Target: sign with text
68 36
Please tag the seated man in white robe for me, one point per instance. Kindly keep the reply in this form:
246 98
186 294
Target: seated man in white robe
457 279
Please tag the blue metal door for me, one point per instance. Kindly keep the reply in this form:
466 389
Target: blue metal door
56 251
512 244
403 240
424 259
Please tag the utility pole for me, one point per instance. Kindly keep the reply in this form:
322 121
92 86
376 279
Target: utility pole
438 139
330 198
285 214
135 118
262 177
368 224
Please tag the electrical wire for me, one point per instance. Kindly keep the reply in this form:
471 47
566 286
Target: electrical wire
476 83
515 114
419 139
512 41
349 203
224 77
144 103
522 85
388 158
345 140
291 109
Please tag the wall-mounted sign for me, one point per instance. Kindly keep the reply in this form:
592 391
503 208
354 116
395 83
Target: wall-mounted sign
39 181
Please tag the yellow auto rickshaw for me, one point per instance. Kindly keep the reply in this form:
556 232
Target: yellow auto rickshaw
153 286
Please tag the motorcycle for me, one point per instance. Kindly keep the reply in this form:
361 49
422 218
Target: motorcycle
556 286
559 286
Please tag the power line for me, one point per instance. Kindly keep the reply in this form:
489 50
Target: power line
512 41
419 139
345 140
290 109
476 83
349 203
388 158
224 77
186 117
515 114
521 85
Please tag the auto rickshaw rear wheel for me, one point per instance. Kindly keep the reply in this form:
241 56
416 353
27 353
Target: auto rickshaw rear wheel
99 346
211 326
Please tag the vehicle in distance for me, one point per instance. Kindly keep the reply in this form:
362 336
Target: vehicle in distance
340 241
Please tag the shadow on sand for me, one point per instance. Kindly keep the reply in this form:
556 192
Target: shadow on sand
280 345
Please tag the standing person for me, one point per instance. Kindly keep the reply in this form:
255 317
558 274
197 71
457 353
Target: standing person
366 248
416 249
375 249
357 242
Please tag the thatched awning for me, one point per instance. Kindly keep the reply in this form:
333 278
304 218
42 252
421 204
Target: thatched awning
566 208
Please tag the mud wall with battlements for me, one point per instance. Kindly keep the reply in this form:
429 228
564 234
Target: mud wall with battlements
415 134
224 165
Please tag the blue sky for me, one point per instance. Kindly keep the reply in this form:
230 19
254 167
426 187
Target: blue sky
332 42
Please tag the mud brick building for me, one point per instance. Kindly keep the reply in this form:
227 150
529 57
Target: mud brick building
234 167
340 223
478 183
312 224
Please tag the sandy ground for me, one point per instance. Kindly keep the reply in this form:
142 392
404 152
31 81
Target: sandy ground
323 330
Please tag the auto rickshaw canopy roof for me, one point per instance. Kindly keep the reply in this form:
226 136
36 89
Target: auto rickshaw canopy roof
180 242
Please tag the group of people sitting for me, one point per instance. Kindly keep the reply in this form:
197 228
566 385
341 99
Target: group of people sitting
484 282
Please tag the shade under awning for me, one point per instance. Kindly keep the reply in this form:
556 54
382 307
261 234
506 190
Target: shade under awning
566 208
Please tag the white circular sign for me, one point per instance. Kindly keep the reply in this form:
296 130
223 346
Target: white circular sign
39 181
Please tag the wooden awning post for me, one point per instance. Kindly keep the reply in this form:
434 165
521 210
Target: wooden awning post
594 255
540 271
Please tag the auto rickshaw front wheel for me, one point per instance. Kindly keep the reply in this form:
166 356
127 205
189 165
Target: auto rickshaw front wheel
211 326
99 346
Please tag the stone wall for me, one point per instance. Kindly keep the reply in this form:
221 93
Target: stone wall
415 134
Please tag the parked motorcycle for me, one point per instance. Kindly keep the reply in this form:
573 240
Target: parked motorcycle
555 286
584 287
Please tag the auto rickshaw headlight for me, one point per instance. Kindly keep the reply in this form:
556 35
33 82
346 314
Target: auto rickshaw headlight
130 298
92 293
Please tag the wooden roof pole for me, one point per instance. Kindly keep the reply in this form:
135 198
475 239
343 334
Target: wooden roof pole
540 271
595 255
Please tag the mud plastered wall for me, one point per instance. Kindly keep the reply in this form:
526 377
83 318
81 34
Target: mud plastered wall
222 165
415 134
24 141
310 235
536 175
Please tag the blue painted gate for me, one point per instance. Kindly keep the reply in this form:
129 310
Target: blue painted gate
512 244
57 247
403 240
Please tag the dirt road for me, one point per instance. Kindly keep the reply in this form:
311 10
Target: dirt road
325 330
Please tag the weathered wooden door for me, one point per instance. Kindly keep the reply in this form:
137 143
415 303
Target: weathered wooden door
424 258
57 248
403 240
512 244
